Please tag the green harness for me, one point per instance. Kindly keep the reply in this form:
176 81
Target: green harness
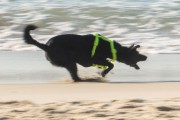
96 43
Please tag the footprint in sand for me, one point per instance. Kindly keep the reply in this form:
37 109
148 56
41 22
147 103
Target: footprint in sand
54 111
137 101
101 115
19 111
165 108
49 109
129 107
4 118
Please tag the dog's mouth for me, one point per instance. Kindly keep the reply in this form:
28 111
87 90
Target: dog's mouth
143 58
135 66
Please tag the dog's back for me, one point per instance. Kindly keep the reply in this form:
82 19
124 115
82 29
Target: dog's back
78 44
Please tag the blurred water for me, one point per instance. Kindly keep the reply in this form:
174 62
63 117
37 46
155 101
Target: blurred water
31 67
154 24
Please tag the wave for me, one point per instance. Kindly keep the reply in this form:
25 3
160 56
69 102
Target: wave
153 24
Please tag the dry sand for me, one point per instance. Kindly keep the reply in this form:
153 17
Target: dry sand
90 101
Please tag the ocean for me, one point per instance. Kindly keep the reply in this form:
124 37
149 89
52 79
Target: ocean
154 24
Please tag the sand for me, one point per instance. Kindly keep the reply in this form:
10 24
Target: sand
90 101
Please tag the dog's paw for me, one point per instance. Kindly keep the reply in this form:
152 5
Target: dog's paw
78 80
103 74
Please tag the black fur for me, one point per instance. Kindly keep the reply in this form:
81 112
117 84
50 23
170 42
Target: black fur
69 49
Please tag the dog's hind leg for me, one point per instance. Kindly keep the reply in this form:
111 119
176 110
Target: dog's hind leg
72 68
104 63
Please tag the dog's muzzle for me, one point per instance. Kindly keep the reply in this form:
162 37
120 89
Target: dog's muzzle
142 58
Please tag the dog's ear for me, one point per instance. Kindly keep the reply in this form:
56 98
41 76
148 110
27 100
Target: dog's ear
137 46
131 47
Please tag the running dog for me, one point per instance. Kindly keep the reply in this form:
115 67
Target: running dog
87 50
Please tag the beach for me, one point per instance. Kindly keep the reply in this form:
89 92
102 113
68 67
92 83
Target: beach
32 89
90 101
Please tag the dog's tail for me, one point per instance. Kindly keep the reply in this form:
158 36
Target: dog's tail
29 40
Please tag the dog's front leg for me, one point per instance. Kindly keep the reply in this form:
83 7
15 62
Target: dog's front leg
110 67
104 63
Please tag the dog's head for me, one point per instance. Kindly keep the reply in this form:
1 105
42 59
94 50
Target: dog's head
131 57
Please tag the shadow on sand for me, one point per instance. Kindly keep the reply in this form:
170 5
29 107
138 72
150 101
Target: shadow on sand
95 79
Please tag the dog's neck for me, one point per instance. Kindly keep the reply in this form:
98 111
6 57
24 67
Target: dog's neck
122 51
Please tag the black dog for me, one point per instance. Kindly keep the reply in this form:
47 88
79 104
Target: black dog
69 49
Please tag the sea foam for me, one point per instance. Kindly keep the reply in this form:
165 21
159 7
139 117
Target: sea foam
152 24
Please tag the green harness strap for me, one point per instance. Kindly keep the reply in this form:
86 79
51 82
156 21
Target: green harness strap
96 43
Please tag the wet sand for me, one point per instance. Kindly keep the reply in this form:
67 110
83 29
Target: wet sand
32 67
